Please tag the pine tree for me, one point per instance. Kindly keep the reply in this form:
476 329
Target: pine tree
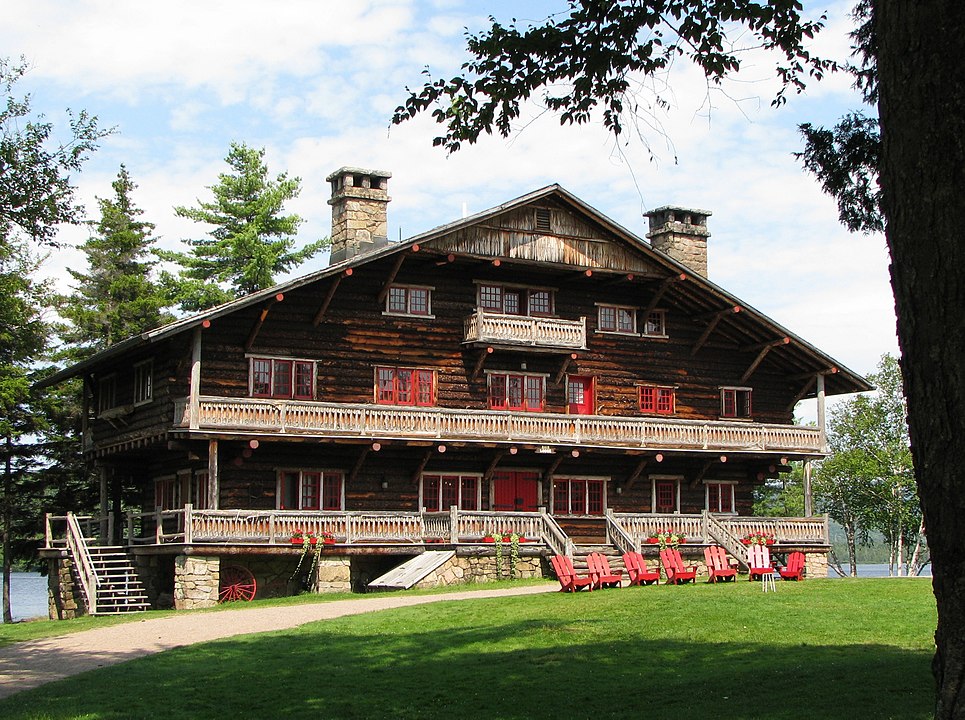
116 297
251 241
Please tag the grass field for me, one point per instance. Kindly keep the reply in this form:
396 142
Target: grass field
820 649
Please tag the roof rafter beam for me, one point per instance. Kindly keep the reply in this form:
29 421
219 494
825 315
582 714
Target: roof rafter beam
358 464
422 465
553 468
762 354
328 297
701 473
481 361
804 391
256 328
566 363
492 465
658 296
637 472
712 325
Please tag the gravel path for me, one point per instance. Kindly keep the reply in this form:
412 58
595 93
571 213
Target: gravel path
29 664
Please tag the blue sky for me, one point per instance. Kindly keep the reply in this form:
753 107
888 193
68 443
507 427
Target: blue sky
316 82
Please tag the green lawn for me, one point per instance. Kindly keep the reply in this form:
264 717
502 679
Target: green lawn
820 649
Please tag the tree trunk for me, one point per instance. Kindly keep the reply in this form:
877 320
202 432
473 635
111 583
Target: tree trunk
849 533
922 111
914 565
7 520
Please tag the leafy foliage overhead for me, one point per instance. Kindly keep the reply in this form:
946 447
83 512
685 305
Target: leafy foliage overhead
593 55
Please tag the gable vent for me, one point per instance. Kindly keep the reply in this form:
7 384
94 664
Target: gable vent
543 219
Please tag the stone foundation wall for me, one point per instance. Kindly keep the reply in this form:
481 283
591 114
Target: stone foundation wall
334 574
65 595
815 565
481 569
196 581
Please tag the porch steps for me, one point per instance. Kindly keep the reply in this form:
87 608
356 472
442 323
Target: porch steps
119 589
613 556
412 571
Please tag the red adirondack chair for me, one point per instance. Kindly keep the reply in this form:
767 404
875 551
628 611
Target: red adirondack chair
673 567
718 565
637 570
759 560
601 573
569 580
794 570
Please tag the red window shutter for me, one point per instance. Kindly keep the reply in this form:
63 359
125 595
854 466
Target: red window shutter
424 388
561 497
385 385
403 387
303 380
648 402
514 392
497 392
729 403
430 492
665 401
281 382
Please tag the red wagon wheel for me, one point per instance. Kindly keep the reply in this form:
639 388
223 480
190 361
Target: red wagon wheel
237 583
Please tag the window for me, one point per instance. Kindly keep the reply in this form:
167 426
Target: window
441 492
407 300
511 300
143 381
655 324
405 386
167 493
617 319
735 402
720 497
282 378
517 392
310 490
577 496
666 495
657 400
199 490
107 393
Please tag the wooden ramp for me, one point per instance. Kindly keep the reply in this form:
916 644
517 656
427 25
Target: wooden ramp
412 571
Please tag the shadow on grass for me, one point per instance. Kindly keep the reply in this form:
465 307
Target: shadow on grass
531 668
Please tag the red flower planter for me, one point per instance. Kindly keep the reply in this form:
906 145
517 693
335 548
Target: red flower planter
329 541
652 541
298 541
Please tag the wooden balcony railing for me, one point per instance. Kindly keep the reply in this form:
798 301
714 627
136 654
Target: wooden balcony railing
343 420
545 332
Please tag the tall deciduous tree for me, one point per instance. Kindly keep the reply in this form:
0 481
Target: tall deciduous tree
250 241
593 56
116 297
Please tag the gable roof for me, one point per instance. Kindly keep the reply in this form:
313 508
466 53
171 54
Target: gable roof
700 295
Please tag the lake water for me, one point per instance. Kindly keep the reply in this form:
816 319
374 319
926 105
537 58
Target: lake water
28 595
876 570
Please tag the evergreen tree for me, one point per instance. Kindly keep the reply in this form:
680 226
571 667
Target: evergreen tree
251 241
116 297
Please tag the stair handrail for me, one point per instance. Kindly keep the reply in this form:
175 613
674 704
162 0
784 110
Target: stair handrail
77 545
722 536
559 542
619 537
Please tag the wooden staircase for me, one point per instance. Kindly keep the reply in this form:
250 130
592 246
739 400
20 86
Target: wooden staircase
613 556
119 590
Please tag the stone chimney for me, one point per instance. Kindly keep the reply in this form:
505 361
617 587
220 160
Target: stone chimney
682 234
359 220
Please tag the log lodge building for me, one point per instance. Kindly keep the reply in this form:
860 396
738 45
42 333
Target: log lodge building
535 369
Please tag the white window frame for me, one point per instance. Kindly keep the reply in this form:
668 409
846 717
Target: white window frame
408 302
676 479
321 472
479 483
106 393
524 290
143 382
733 496
605 479
616 308
750 401
644 332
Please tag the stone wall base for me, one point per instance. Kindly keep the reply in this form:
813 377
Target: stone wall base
196 581
65 595
481 569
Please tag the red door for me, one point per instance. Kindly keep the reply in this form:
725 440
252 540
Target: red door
515 491
579 394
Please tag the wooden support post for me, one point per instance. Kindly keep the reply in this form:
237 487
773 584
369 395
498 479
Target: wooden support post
808 497
492 466
213 483
701 473
822 427
358 464
552 470
188 521
762 354
323 308
422 466
637 472
566 363
804 391
194 392
453 524
481 361
392 275
105 506
256 328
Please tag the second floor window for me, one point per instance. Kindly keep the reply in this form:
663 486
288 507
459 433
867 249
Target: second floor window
282 378
310 490
616 319
720 497
735 402
405 386
441 492
657 400
107 393
655 324
143 382
408 300
512 300
517 392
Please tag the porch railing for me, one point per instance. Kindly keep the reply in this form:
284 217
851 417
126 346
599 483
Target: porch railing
793 531
491 327
77 545
347 420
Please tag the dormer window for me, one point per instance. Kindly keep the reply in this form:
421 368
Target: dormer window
409 300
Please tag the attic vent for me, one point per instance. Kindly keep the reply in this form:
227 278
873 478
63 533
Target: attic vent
542 219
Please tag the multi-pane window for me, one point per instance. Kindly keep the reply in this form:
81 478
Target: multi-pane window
517 392
282 378
577 496
143 381
310 490
735 402
199 490
616 319
655 324
405 386
167 493
441 492
658 400
720 497
406 300
665 496
511 300
107 393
